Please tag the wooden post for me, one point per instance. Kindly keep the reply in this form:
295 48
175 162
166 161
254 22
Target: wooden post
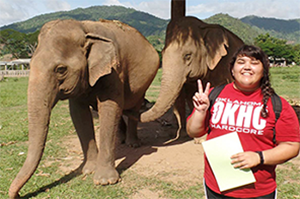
177 9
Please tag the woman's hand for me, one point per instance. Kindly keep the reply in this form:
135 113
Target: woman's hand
283 152
245 160
200 99
197 123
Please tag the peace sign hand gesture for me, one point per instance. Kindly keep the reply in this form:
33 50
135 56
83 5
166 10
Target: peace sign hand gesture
200 99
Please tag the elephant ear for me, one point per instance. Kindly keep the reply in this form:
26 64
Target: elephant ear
101 55
216 44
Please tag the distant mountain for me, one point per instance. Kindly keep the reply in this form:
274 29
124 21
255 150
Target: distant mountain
242 30
272 24
285 29
154 28
147 24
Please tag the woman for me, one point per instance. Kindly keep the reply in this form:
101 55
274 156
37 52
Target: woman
245 105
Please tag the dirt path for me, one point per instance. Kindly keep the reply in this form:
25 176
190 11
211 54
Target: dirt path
181 160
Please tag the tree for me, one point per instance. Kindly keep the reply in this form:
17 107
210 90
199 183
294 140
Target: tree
20 45
296 50
276 48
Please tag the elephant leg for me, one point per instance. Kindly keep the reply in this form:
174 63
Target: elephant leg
109 116
131 136
132 139
83 122
122 130
179 111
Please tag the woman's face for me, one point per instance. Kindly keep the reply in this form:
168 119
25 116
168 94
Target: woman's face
247 72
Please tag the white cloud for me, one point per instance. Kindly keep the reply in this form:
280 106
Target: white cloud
19 10
112 2
57 5
13 10
264 8
159 8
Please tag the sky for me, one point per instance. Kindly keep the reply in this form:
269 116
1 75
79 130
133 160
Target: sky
12 11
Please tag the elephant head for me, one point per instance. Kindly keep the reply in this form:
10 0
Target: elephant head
67 63
193 49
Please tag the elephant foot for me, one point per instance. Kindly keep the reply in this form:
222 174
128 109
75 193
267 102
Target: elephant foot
13 195
88 167
106 176
134 143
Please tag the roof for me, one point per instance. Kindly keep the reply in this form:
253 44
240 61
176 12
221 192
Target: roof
15 62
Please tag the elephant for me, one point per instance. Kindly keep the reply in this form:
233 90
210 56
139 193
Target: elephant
103 64
193 50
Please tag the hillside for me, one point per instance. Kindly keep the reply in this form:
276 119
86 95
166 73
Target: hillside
147 24
287 29
154 28
243 30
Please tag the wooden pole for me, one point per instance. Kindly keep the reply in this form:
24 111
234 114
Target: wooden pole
177 9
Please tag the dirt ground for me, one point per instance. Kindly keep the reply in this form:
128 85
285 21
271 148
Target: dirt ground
182 157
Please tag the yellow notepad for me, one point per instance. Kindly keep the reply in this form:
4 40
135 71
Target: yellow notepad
218 152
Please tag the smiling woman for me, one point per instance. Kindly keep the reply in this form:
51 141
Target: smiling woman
245 107
247 73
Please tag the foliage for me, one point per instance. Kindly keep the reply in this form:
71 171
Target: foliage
279 25
242 30
277 48
147 24
153 28
247 29
286 29
20 45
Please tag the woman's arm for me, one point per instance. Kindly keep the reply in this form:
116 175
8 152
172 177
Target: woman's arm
283 152
196 125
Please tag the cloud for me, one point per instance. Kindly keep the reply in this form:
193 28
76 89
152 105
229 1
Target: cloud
113 2
18 10
264 8
159 8
13 10
57 5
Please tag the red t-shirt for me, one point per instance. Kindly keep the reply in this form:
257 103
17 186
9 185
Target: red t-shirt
237 111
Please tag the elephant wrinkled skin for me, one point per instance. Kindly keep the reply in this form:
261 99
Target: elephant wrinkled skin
193 49
107 65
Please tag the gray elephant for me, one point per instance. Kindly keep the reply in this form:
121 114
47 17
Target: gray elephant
106 64
193 49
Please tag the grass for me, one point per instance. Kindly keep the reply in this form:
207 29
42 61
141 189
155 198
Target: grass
153 91
286 82
49 182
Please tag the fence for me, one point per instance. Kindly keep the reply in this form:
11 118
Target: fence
16 68
14 73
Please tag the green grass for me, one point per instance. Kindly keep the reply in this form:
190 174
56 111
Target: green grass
152 92
286 82
49 182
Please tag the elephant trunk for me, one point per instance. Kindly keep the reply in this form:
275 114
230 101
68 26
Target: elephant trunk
40 103
171 86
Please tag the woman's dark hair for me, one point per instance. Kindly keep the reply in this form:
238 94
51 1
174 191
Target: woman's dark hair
265 85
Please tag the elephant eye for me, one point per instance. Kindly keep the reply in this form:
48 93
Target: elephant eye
61 69
187 56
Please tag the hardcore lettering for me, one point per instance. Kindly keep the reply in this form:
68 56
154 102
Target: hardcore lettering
238 116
